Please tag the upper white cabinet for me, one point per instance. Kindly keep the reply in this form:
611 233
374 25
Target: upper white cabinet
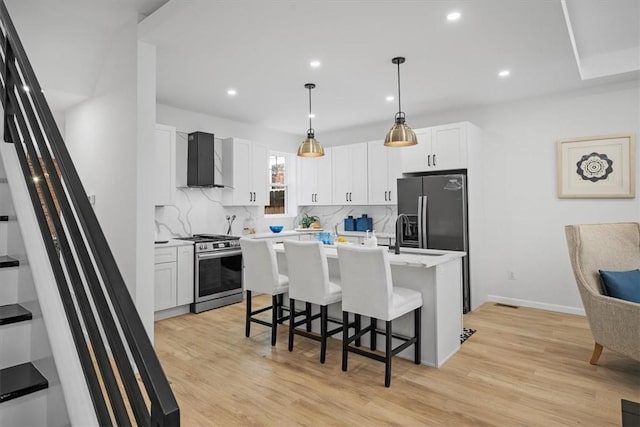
314 179
449 147
349 168
439 148
384 168
246 170
164 185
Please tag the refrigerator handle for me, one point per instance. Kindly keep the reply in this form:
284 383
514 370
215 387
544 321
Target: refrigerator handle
422 222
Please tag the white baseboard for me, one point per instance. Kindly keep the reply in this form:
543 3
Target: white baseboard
535 304
170 312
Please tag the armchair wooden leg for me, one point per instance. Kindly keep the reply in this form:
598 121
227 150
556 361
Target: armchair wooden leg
597 351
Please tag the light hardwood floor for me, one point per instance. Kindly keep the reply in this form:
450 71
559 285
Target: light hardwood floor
521 367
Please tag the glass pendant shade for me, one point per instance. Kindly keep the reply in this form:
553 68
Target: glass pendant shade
400 134
310 147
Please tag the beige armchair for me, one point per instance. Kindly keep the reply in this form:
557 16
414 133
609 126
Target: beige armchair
614 323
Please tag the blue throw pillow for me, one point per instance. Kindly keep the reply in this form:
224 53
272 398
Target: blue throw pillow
622 284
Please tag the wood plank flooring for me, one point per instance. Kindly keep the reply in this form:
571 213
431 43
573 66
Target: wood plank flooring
522 367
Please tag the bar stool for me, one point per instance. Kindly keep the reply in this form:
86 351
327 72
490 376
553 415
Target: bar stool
309 282
367 289
261 275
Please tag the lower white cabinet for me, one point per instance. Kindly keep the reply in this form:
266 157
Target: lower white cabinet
173 277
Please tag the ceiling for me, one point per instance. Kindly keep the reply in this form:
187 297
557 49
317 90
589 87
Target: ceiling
262 48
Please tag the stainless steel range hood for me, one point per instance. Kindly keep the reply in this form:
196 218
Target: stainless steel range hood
204 160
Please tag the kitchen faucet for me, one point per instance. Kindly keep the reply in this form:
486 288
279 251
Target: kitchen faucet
399 221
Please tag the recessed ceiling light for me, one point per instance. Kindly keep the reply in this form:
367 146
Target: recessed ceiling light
315 63
312 116
232 92
504 73
454 16
389 98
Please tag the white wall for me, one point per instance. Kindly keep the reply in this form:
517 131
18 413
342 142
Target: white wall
189 121
524 217
102 136
146 80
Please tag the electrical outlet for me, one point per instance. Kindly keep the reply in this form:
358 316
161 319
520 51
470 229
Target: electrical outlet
511 275
92 199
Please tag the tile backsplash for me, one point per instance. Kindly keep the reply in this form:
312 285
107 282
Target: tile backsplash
200 210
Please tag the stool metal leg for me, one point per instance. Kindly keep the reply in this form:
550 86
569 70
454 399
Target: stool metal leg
388 356
345 337
358 328
418 328
292 320
280 303
308 310
274 319
323 333
374 334
248 315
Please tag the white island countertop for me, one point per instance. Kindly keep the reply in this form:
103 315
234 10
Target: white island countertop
409 257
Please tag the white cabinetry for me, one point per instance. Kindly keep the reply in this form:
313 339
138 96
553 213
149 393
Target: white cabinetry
384 168
439 148
349 168
185 273
246 170
173 277
164 182
315 177
165 279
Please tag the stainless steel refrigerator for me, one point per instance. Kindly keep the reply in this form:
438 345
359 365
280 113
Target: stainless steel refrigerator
436 217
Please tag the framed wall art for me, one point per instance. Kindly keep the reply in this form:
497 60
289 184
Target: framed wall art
596 167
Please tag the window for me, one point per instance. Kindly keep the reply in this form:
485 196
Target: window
279 182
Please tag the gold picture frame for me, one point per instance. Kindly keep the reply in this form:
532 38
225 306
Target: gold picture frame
597 167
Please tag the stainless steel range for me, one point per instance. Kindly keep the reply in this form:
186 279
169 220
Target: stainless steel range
218 271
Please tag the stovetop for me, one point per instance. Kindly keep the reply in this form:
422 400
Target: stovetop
201 238
213 242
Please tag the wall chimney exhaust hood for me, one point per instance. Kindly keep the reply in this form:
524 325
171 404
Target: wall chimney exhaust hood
204 160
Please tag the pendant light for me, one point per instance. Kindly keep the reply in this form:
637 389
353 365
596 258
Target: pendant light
310 147
400 135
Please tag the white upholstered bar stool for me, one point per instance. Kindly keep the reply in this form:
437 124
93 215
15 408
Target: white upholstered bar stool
367 289
309 282
261 275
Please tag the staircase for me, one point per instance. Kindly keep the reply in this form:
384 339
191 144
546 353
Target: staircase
26 398
62 295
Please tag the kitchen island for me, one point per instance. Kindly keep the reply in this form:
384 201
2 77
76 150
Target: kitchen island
438 276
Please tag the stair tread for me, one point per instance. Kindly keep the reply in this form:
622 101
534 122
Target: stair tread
13 313
20 380
7 261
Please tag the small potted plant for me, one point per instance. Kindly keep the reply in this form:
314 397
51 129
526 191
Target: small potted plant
310 221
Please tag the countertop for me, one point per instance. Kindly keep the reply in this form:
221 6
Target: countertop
410 257
172 243
363 234
285 233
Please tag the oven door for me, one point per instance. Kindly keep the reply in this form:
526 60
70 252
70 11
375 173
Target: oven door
218 274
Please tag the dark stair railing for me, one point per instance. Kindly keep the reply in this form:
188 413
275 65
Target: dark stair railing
95 297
